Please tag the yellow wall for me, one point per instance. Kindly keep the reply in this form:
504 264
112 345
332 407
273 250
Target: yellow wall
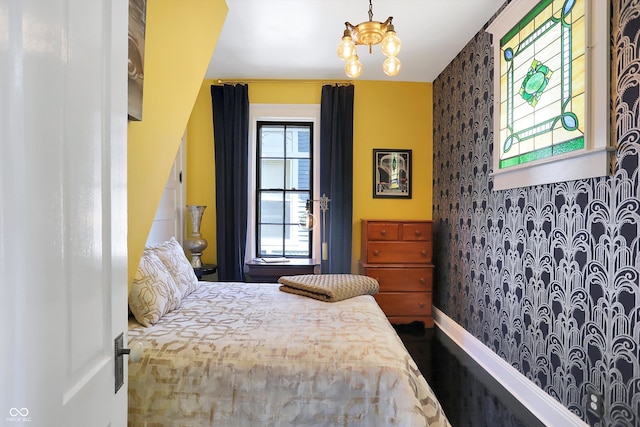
386 115
179 42
200 157
391 115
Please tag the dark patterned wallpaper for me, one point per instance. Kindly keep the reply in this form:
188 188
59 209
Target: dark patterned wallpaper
546 276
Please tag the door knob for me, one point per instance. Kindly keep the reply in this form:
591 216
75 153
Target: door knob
135 352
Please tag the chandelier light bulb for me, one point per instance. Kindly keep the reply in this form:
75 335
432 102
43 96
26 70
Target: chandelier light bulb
346 48
391 43
391 66
353 67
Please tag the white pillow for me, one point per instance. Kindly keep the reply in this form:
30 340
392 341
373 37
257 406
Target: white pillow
153 292
173 257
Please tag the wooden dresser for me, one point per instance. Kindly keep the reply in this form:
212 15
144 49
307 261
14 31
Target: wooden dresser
398 254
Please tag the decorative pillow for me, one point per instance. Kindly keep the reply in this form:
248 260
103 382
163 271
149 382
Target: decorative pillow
154 292
173 257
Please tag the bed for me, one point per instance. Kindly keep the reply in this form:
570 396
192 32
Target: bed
248 354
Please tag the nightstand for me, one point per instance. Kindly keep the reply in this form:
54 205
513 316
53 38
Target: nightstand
270 272
205 270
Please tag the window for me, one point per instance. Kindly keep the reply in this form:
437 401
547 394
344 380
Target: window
551 77
284 152
283 174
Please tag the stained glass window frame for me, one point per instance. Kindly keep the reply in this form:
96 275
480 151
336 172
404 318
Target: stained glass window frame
591 155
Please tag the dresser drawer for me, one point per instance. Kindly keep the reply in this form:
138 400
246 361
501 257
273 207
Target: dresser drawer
401 279
383 231
405 303
416 231
398 252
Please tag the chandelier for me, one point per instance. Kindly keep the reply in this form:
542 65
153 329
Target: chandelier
370 33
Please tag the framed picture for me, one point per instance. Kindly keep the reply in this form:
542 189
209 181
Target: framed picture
391 173
137 28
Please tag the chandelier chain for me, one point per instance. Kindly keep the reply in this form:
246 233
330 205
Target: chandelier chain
370 11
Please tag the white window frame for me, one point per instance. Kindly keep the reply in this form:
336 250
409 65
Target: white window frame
280 113
596 158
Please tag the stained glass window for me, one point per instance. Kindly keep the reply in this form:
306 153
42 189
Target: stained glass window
542 84
551 114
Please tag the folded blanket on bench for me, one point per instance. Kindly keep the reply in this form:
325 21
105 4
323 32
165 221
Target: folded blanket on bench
329 287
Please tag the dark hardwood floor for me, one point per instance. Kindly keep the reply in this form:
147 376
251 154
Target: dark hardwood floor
469 396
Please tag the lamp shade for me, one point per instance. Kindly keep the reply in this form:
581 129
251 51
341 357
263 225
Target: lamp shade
307 221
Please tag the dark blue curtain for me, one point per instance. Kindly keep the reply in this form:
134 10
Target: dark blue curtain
231 152
336 173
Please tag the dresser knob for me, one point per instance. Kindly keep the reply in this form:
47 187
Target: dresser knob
424 253
383 232
422 280
421 304
418 233
376 253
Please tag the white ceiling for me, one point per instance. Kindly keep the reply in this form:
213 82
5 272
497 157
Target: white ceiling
297 39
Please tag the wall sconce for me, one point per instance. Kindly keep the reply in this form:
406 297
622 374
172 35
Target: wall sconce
308 222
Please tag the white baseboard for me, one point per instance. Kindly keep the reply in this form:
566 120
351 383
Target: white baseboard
548 410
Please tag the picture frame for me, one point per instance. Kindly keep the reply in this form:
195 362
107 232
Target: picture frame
391 173
137 30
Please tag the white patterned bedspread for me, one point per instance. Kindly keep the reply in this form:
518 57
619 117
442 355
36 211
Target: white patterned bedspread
242 354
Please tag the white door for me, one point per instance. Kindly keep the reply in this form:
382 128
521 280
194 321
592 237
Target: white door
169 219
63 213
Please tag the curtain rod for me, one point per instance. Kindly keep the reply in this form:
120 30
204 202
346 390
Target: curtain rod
323 82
